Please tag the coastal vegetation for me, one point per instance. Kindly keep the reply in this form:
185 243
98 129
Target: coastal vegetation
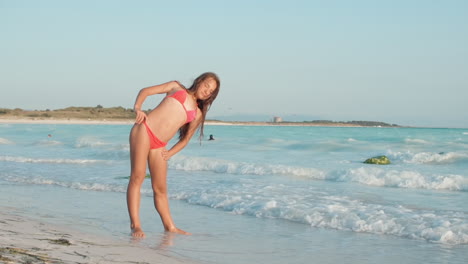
127 114
96 113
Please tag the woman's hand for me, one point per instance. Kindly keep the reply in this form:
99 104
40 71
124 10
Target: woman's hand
165 154
140 116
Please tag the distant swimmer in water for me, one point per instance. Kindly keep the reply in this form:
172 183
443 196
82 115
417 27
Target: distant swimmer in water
211 137
49 135
182 110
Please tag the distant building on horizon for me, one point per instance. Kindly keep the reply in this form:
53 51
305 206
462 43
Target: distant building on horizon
277 119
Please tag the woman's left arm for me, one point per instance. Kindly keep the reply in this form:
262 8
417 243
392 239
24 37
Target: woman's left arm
183 142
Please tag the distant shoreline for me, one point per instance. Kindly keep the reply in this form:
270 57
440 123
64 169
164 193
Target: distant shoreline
79 121
71 121
121 115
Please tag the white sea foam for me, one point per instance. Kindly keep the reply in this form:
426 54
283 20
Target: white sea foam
58 161
89 142
405 179
437 158
305 205
72 185
335 212
4 141
309 207
366 175
416 141
48 143
312 208
231 167
123 147
429 157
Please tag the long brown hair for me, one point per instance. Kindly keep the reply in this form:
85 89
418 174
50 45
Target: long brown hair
204 105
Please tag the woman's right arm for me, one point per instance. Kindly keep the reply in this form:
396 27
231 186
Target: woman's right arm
145 92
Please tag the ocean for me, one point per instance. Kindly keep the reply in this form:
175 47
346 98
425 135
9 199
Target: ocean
256 194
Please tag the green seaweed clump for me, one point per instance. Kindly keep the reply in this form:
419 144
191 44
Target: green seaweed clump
379 160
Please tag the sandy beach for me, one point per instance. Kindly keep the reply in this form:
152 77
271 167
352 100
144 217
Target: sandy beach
63 121
89 122
25 240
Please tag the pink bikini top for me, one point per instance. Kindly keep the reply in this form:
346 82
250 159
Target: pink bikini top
180 96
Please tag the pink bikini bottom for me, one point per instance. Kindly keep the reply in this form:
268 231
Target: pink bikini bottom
155 142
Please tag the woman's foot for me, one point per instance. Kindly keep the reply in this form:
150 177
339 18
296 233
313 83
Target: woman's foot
178 231
137 232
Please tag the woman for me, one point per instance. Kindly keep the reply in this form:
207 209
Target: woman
182 110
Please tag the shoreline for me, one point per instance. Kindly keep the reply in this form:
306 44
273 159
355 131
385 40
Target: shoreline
71 121
76 121
28 240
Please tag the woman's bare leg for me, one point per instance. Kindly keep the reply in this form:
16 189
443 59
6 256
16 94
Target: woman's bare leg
139 149
158 170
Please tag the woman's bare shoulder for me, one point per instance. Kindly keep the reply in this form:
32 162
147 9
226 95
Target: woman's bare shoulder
179 84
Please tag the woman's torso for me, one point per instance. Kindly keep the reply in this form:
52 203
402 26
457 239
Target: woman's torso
166 118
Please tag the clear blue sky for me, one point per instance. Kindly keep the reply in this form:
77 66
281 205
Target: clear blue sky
397 61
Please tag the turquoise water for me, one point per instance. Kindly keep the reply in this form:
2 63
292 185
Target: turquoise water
258 194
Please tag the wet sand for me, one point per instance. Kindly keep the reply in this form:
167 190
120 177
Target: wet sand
25 240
